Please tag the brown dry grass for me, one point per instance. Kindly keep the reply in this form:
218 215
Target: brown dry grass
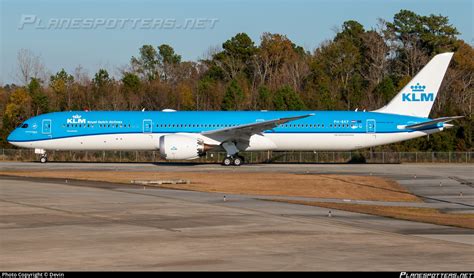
426 215
274 184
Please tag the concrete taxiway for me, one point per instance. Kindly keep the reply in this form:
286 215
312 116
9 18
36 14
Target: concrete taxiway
51 224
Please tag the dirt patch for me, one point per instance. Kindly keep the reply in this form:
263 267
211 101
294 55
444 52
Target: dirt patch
426 215
273 184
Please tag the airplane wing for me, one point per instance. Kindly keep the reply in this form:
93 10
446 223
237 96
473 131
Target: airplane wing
432 122
246 130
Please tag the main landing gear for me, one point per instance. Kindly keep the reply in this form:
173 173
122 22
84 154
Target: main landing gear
235 160
232 157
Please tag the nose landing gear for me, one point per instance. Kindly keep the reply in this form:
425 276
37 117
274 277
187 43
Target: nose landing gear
44 158
43 155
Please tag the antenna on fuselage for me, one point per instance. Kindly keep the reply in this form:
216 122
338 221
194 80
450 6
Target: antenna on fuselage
143 110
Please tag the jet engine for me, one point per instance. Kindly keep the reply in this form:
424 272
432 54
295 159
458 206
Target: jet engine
176 146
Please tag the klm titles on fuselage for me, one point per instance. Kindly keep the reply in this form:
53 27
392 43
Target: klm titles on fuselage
418 94
77 119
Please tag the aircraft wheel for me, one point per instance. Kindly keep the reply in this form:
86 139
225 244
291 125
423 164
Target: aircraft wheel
227 161
43 159
238 161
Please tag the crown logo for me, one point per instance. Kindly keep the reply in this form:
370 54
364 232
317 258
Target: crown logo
418 88
77 116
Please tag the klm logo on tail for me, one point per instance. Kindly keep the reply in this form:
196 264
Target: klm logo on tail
418 94
415 99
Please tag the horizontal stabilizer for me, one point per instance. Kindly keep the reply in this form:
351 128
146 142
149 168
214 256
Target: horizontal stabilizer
433 122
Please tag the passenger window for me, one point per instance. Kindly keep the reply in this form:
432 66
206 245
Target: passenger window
24 126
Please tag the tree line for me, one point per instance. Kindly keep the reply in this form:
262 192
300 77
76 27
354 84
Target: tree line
358 68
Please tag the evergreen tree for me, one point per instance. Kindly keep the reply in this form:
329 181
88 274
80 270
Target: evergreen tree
233 98
287 99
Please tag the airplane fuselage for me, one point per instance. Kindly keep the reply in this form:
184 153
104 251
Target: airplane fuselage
126 130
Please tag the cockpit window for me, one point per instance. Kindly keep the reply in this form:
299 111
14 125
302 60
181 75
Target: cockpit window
24 126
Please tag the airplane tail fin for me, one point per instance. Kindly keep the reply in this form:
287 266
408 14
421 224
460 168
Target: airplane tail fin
418 96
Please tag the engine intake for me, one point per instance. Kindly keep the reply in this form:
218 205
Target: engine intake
178 146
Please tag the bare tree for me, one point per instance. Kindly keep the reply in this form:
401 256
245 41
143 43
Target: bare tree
81 76
29 66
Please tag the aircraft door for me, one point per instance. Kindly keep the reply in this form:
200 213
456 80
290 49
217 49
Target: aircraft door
147 126
46 126
370 125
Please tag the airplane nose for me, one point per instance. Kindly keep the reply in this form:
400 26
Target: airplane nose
14 138
11 137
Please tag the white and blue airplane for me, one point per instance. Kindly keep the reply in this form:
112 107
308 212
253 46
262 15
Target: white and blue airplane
190 134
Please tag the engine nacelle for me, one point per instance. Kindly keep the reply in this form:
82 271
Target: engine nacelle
178 146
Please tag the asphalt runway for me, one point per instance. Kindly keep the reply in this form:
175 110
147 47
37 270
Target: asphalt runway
51 224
